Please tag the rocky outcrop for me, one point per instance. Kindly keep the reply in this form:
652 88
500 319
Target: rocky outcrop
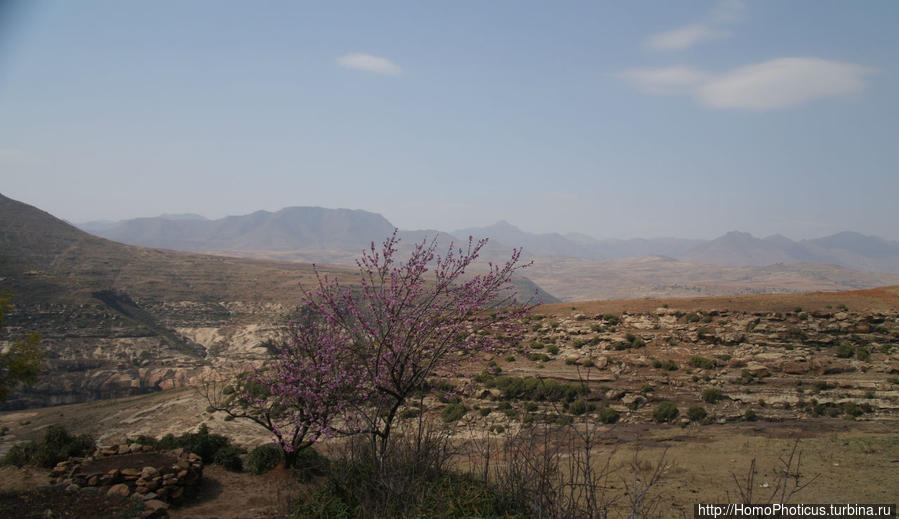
97 352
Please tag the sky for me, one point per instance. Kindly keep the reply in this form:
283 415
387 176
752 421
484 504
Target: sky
613 119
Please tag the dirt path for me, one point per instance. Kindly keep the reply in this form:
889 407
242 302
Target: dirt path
229 495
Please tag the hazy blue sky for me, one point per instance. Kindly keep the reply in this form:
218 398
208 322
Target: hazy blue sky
611 118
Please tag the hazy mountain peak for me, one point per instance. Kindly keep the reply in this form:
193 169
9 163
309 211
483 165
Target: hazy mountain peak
182 216
737 235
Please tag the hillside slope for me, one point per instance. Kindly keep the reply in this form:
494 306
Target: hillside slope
118 320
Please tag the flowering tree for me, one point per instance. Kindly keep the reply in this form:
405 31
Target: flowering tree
357 354
299 395
402 326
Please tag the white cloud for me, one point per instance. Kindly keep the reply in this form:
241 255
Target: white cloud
782 82
685 37
725 12
773 84
369 63
666 80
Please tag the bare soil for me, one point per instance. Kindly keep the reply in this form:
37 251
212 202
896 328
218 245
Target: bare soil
57 502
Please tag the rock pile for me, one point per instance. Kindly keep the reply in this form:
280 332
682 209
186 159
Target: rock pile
156 478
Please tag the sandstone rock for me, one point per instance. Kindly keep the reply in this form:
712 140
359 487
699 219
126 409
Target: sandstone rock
614 394
630 399
795 368
120 489
155 504
736 363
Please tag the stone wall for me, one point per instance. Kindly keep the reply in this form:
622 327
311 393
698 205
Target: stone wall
158 478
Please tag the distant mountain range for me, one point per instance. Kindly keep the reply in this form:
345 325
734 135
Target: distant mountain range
46 260
288 229
577 245
339 234
734 249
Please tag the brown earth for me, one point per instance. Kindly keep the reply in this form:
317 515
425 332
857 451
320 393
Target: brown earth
57 502
798 383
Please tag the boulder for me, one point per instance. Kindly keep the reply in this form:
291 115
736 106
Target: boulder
120 489
795 368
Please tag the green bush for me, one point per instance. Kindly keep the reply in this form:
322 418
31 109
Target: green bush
143 439
229 457
453 412
407 414
701 362
201 443
862 354
553 350
531 388
852 409
353 489
845 351
750 415
17 455
696 413
612 319
55 446
309 463
264 458
630 341
608 415
712 395
665 411
580 406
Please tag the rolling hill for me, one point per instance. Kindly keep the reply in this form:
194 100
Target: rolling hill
118 319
